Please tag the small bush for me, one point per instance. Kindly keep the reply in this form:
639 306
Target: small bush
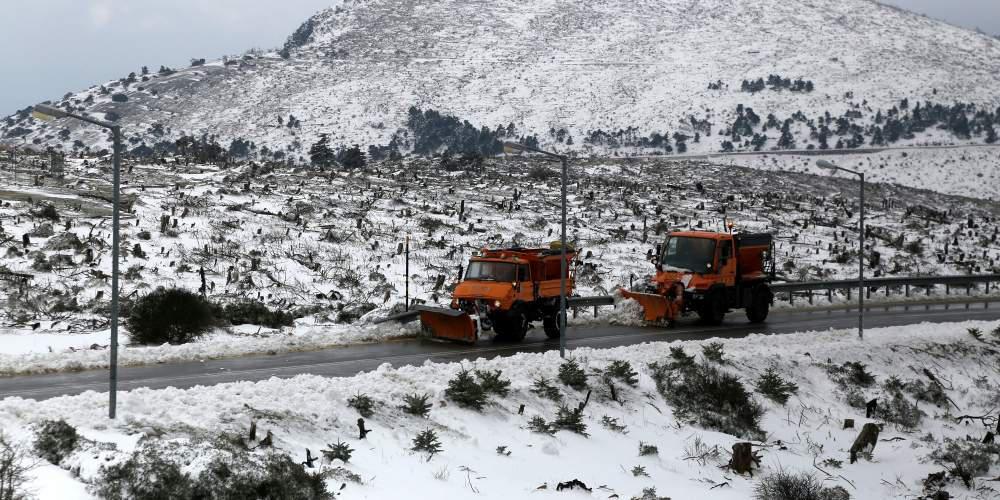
427 442
570 419
646 449
14 470
900 411
704 395
967 459
464 390
252 312
774 387
245 475
713 352
851 374
363 403
572 375
639 471
976 333
416 404
539 425
56 440
146 475
491 382
649 494
46 211
680 359
783 485
611 424
539 173
622 370
172 316
544 389
340 451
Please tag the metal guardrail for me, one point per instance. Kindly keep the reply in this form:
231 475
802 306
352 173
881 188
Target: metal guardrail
799 287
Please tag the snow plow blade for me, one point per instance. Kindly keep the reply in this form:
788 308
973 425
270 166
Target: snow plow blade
655 308
448 324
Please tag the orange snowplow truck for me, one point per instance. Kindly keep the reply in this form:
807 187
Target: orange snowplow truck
504 291
710 274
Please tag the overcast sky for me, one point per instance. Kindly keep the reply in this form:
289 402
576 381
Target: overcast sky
50 47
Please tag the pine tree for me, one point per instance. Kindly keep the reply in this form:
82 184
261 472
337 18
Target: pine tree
991 134
352 158
320 153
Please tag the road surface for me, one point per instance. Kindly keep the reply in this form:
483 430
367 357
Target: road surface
350 360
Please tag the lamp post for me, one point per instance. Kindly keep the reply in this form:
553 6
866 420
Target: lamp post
563 265
48 113
861 245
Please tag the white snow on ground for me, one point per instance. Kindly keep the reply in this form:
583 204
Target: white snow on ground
959 171
310 411
41 353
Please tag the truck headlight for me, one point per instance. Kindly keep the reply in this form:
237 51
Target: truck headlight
496 303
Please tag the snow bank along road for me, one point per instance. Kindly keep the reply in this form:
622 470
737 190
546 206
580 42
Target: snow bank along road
348 361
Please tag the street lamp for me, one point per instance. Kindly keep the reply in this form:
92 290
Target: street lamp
512 147
48 113
861 253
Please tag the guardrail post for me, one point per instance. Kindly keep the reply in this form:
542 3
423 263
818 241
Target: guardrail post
868 292
968 289
791 298
929 290
947 289
576 311
595 311
810 297
829 295
849 294
907 290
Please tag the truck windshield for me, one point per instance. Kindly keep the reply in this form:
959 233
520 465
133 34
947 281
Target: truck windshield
490 271
682 253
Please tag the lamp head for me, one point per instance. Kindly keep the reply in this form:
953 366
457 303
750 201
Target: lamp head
47 113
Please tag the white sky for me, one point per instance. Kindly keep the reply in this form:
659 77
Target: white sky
50 47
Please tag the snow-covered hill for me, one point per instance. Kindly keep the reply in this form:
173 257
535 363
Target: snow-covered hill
353 71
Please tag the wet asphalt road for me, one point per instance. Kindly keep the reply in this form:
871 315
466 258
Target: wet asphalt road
350 360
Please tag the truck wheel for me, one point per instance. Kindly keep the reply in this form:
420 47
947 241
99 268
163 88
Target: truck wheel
713 310
759 306
512 327
551 326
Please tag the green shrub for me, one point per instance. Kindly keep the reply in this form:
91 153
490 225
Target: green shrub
252 312
967 458
544 388
491 382
611 424
622 370
572 375
774 387
146 475
539 425
851 374
172 316
783 485
570 419
713 352
363 403
416 404
898 410
271 476
464 390
707 396
427 442
646 449
340 451
680 359
56 440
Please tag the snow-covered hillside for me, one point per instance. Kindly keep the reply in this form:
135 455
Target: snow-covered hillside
328 247
581 66
934 388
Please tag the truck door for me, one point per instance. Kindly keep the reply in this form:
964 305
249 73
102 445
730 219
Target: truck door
727 263
526 289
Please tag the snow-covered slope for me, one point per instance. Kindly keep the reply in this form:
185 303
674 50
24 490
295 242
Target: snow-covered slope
354 70
494 454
